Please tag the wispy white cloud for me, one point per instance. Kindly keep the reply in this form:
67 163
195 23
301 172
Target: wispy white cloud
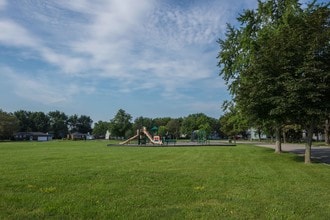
3 4
177 28
127 39
13 34
40 88
17 36
128 46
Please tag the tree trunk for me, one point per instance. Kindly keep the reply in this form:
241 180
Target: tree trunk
308 145
327 132
278 146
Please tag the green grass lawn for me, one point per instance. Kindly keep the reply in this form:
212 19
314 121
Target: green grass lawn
87 179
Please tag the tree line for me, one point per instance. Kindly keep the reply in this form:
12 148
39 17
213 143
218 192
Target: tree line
56 123
230 125
60 124
122 125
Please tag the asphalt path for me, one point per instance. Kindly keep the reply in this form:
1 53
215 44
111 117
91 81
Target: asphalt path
319 154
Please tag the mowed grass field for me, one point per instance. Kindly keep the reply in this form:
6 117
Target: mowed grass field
88 180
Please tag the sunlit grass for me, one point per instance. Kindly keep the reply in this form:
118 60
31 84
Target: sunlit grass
87 179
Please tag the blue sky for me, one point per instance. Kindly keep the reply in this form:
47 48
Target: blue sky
152 58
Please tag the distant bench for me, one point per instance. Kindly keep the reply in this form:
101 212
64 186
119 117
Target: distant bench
167 141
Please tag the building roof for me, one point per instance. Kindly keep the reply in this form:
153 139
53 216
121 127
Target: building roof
33 133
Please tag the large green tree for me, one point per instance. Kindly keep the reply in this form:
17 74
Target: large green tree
314 72
160 121
8 125
198 121
140 122
82 124
120 124
58 124
233 123
33 121
40 121
100 128
173 127
25 124
276 65
73 123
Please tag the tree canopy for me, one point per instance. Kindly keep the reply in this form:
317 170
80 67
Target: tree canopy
8 125
120 124
276 64
100 128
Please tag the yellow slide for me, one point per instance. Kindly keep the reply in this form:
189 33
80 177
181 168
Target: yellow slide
128 140
150 138
144 130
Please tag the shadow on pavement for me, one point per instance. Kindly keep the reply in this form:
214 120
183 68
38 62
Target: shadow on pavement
321 155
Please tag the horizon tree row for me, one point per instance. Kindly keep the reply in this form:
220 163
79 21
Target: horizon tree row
55 122
122 126
59 124
230 125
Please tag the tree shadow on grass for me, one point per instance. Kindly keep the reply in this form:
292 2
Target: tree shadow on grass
299 158
270 150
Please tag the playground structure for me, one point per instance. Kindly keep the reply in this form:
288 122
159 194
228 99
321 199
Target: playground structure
140 136
199 136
